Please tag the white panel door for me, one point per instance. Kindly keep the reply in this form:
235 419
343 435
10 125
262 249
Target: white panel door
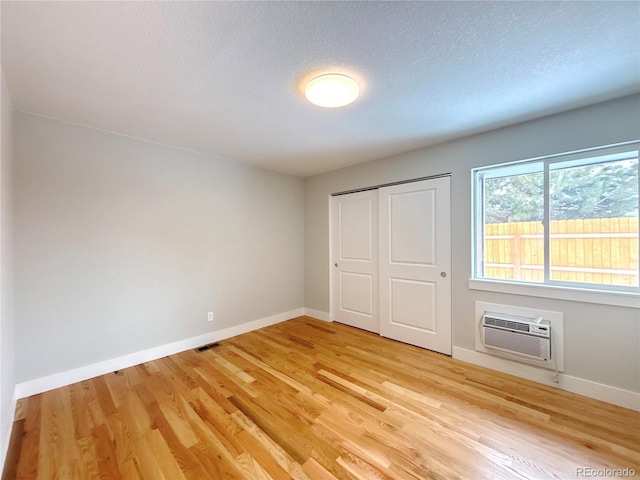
415 263
354 223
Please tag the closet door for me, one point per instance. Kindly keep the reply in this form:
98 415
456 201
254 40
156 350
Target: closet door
354 251
415 263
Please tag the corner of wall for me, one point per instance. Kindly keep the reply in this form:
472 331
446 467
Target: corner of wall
320 315
7 355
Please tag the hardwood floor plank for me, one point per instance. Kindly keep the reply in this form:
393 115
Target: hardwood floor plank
360 468
223 427
123 441
311 400
103 395
118 386
106 454
89 466
252 468
21 409
317 471
284 434
184 456
215 464
211 453
56 435
165 458
272 371
30 446
146 460
279 454
261 455
82 419
15 445
131 470
344 384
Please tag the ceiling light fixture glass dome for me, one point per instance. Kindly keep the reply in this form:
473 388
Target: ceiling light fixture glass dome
332 90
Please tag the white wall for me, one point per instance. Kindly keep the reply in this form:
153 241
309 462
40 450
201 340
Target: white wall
7 352
124 245
601 342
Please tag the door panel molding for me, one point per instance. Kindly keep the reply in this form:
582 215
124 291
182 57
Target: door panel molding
354 260
415 280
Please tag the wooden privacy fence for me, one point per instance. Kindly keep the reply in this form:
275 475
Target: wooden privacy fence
591 250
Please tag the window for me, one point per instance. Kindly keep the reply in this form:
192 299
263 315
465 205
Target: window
564 220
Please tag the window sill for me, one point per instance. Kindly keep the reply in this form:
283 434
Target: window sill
620 299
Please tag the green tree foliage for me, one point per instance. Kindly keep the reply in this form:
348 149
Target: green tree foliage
603 190
595 191
516 198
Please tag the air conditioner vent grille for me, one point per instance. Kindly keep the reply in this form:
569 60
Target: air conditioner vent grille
498 322
517 343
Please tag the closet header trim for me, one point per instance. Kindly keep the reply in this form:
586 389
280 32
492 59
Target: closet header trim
365 189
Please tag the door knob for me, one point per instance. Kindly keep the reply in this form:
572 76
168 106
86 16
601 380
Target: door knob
336 264
443 274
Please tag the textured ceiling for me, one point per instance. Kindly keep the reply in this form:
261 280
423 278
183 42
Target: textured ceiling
223 78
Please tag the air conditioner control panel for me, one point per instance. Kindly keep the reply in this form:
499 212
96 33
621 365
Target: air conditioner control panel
542 330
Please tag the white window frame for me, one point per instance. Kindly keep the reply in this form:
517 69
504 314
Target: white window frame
574 291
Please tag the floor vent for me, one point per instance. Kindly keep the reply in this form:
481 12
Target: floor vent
206 347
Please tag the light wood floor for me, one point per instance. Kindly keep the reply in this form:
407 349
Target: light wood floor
308 399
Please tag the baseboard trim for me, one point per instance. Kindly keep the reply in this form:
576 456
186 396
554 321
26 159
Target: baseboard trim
320 315
599 391
57 380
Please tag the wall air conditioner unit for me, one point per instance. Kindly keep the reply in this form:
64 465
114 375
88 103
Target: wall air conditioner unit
522 336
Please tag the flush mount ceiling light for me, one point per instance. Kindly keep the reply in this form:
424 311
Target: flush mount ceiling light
332 90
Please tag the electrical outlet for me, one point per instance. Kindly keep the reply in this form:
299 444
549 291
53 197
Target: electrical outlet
210 317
